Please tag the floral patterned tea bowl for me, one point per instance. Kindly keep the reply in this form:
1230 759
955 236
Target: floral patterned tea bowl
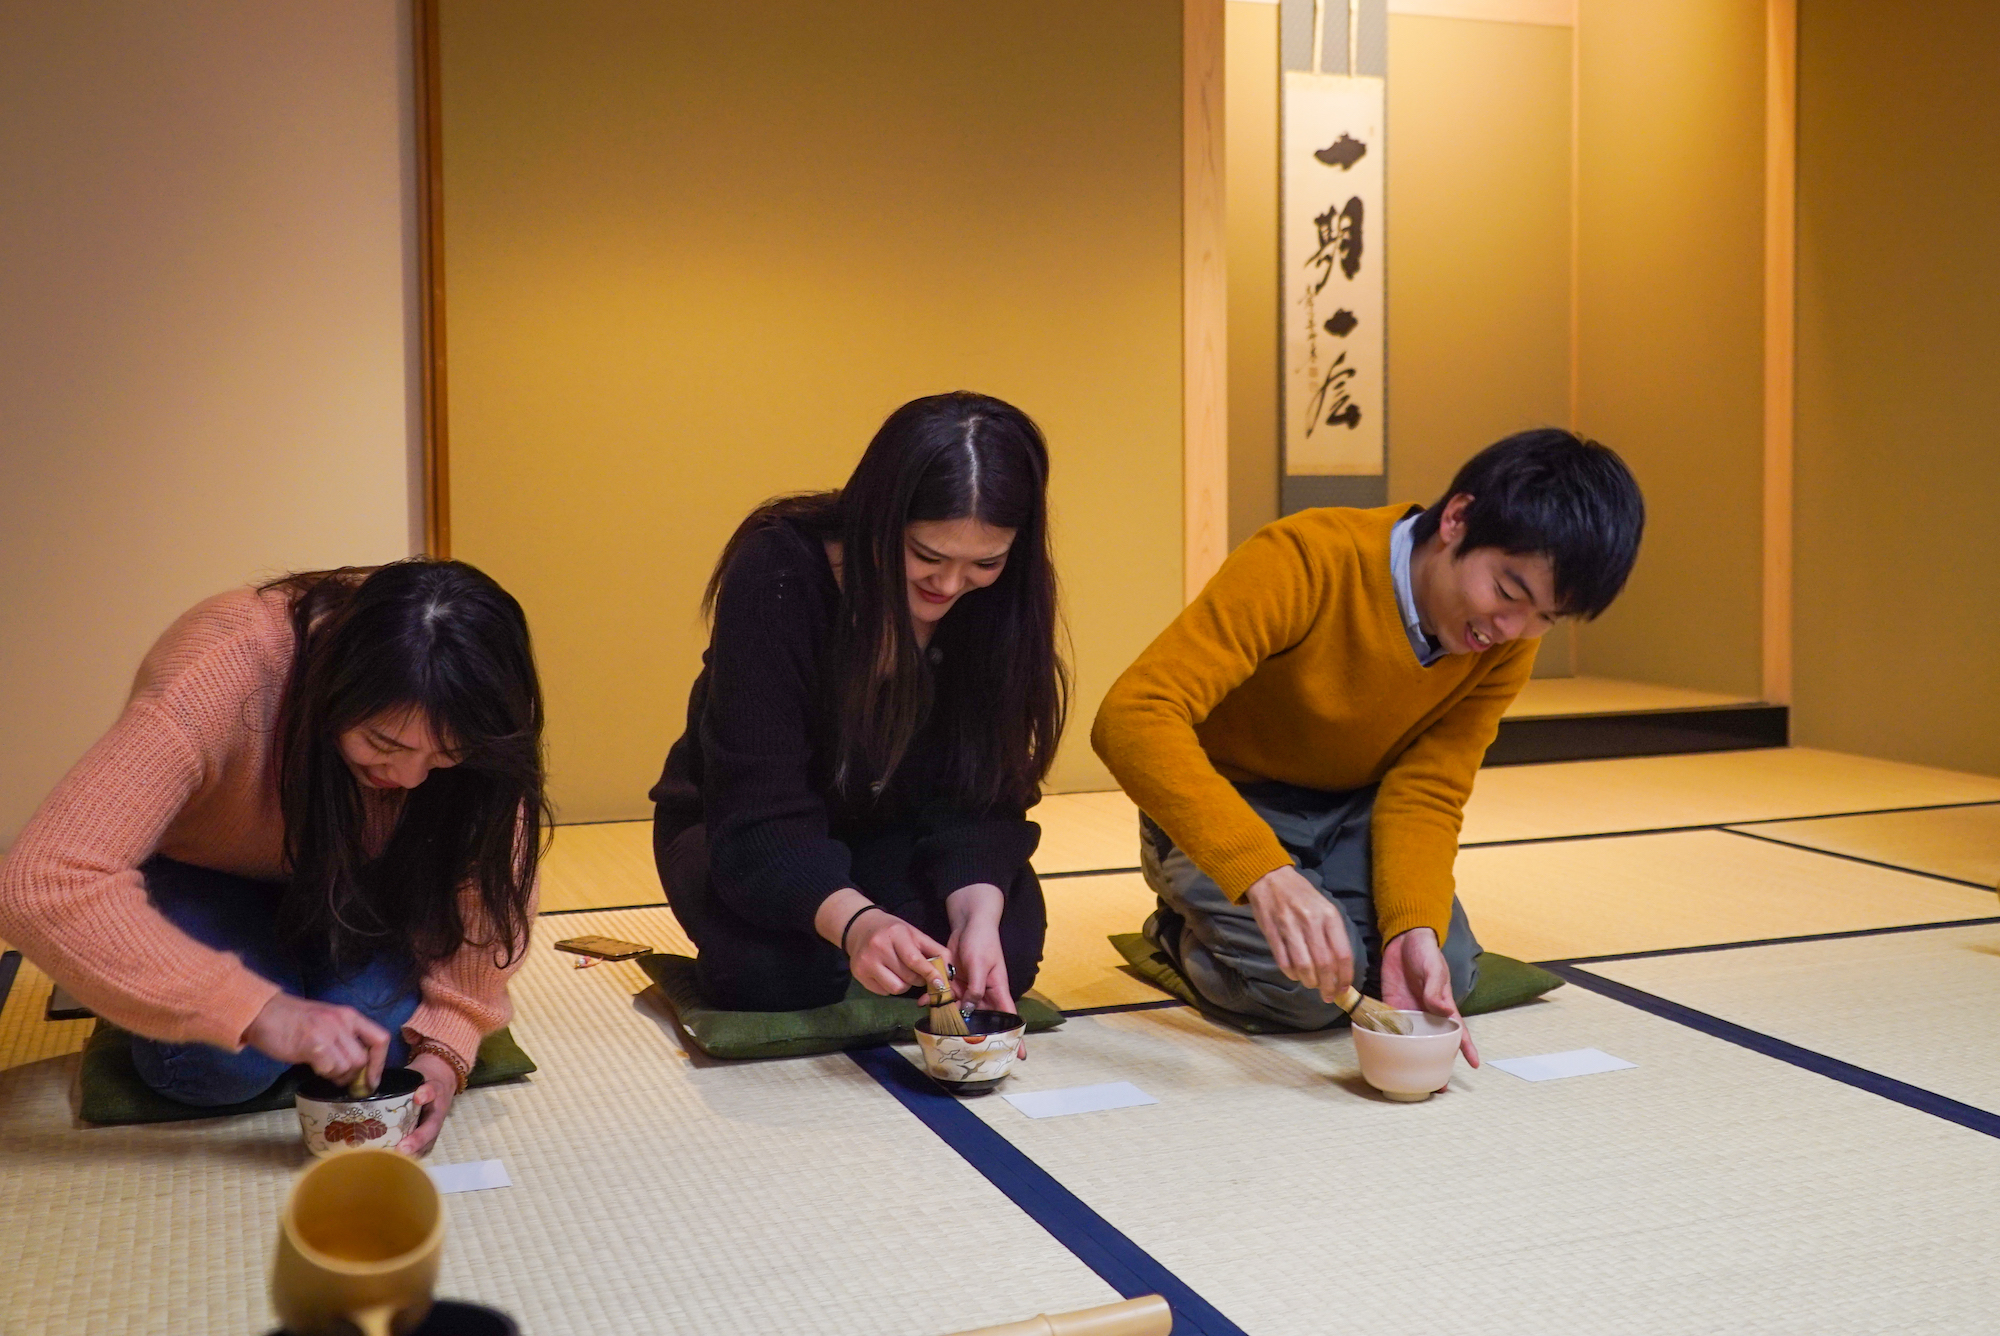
972 1064
333 1121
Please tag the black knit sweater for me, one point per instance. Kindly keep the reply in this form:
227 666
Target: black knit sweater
755 764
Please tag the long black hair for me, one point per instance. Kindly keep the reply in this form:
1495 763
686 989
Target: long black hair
994 685
440 638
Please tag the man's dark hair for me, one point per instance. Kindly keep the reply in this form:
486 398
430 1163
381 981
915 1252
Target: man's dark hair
1552 492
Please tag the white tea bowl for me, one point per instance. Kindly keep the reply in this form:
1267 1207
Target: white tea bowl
1409 1067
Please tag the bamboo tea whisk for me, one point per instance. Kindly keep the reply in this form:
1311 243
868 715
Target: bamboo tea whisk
1375 1015
947 1017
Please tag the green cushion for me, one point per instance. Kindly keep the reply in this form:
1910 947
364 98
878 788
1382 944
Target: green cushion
1503 982
113 1093
859 1020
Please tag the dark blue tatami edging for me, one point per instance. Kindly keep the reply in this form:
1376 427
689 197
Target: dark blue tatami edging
1123 1264
1557 965
1856 858
1159 1004
1901 1092
10 965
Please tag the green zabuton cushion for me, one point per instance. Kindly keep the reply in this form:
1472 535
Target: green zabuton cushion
113 1093
859 1020
1503 982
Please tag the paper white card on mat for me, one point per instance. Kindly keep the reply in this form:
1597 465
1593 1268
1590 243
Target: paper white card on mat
470 1177
1080 1099
1552 1066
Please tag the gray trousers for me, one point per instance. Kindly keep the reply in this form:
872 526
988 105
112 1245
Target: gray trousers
1220 948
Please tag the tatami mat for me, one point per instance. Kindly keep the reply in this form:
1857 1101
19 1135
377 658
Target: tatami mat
1707 1190
1915 1006
594 865
609 864
1522 802
1958 842
1606 695
605 865
1086 832
1079 967
25 1037
651 1194
1692 888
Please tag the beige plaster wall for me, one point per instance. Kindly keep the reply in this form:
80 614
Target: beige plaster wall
1897 570
694 254
1671 336
204 353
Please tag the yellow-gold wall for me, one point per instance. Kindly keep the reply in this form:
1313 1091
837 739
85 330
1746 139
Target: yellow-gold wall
1897 582
695 254
1670 112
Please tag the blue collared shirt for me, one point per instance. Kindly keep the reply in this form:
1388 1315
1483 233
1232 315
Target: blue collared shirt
1428 651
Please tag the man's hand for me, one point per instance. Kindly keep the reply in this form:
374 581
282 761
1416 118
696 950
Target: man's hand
1308 936
1416 978
336 1042
434 1097
975 912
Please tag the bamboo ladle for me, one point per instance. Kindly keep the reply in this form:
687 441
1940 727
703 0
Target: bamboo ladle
1148 1315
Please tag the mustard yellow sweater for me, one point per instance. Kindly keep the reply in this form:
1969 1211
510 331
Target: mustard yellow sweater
1293 665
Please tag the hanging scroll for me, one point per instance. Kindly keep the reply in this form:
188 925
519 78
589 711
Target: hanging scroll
1332 284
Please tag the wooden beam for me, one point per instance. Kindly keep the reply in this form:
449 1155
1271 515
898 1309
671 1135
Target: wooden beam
430 281
1204 297
1781 63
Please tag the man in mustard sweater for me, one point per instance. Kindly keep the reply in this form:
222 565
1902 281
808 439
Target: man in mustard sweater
1301 740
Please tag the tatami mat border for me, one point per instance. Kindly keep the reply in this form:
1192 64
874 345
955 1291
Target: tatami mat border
1158 1004
1900 1092
1097 1243
1086 872
1731 826
10 965
1559 965
1857 858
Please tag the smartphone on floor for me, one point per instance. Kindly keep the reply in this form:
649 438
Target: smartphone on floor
603 948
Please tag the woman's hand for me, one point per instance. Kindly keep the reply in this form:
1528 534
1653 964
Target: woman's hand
975 912
434 1097
337 1042
886 954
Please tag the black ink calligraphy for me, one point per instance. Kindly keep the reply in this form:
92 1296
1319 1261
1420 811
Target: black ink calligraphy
1339 234
1343 152
1332 398
1342 324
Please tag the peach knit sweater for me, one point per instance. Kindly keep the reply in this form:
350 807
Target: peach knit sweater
189 772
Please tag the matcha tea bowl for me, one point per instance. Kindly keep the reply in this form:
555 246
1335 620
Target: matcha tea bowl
975 1062
1410 1067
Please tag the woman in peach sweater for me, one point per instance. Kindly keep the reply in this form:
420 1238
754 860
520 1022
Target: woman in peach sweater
311 837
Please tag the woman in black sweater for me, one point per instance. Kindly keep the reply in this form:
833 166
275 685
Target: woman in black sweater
880 701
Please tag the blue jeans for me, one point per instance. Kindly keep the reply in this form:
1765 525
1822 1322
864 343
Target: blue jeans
238 914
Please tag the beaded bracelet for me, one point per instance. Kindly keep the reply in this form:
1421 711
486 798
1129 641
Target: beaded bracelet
435 1049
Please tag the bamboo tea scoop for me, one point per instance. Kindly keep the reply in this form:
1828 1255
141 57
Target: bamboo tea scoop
1375 1015
947 1017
